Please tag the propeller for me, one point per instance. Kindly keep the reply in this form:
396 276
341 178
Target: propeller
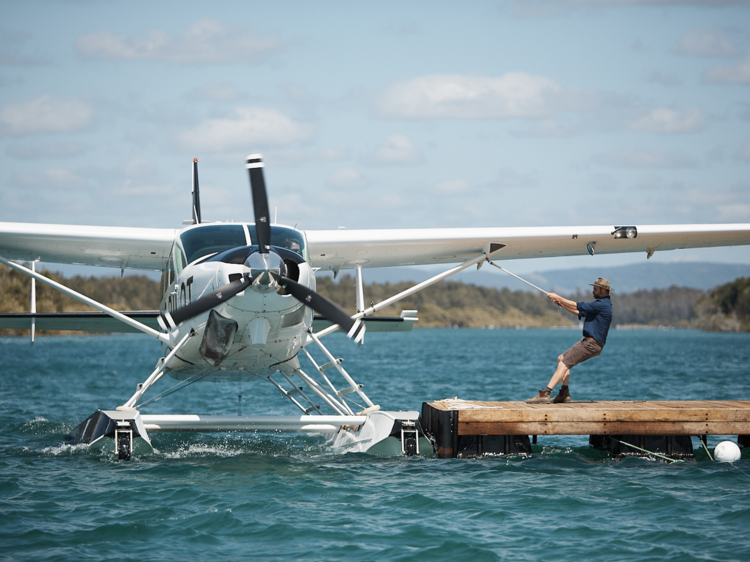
354 328
260 201
265 271
170 320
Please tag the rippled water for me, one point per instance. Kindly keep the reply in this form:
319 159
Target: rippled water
279 497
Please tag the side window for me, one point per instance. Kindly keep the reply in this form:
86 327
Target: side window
170 273
179 259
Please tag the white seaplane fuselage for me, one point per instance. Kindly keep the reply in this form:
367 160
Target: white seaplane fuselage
271 327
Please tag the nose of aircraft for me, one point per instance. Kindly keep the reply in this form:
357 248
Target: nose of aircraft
265 268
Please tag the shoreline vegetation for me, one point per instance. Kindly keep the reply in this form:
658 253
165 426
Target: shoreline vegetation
447 304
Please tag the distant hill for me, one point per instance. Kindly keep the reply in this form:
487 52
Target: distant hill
625 279
136 292
725 308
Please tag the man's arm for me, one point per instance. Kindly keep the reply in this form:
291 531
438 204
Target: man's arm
570 306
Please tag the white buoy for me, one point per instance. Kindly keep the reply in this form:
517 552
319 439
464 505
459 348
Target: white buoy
727 451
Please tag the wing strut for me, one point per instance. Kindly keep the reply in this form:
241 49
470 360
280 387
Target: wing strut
164 338
33 302
490 249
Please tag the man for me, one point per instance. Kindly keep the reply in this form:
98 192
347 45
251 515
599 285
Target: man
598 317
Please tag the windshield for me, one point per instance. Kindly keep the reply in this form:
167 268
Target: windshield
283 237
199 242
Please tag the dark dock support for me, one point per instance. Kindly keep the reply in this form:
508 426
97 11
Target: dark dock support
462 428
442 426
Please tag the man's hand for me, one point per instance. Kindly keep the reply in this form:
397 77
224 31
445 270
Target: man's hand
568 305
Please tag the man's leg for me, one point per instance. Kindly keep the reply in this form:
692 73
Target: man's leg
562 373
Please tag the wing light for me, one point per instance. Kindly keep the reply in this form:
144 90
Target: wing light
625 232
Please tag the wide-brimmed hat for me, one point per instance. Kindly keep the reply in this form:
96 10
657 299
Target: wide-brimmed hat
603 283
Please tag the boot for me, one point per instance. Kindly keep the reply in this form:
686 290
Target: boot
541 398
563 396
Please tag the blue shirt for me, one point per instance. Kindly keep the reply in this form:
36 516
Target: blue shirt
598 317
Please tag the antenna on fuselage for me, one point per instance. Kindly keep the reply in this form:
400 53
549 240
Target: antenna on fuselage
196 194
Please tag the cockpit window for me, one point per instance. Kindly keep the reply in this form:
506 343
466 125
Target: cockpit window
283 237
199 242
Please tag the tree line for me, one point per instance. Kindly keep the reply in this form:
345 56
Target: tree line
447 303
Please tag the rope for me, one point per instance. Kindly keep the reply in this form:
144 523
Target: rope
666 458
706 448
520 279
517 277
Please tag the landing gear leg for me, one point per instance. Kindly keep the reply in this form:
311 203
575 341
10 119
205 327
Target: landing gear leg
124 441
409 438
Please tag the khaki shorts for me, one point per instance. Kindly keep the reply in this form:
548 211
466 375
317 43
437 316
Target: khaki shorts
582 350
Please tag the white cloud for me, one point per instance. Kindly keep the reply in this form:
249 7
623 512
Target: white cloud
732 205
47 150
662 120
396 149
348 178
139 166
557 8
44 114
510 178
664 79
206 41
644 158
12 44
451 187
215 91
738 74
52 178
332 154
548 128
707 43
436 96
244 128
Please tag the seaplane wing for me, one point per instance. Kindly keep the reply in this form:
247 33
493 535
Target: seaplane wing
346 249
120 247
149 248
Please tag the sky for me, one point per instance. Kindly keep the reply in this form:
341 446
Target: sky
380 115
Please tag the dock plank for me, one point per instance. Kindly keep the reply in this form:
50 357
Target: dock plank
676 417
611 428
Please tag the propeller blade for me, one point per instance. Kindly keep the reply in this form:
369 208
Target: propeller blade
355 329
260 201
196 194
169 320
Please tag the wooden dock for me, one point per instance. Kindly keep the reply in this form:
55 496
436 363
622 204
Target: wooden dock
471 428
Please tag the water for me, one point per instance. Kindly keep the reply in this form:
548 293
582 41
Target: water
282 497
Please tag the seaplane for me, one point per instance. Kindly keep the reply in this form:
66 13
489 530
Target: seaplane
239 304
